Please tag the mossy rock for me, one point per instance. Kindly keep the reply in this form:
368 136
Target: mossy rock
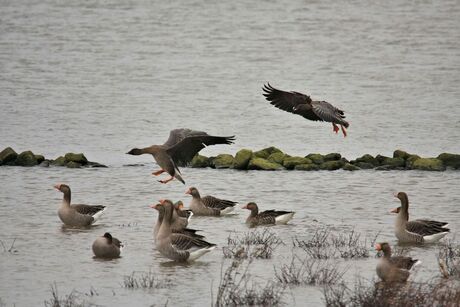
428 164
26 158
7 155
199 161
242 159
410 160
450 160
292 162
277 157
394 162
400 154
73 164
263 164
266 152
223 161
364 165
367 158
350 167
59 161
331 165
389 168
316 158
78 158
332 157
381 158
307 167
39 158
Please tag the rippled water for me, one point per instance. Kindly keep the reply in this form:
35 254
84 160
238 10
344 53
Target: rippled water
101 78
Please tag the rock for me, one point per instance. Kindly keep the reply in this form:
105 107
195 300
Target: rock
364 165
45 163
266 152
199 161
316 158
381 158
450 160
394 162
428 164
242 159
26 158
292 162
39 158
73 164
389 167
332 157
95 164
78 158
263 164
367 158
307 167
400 154
277 157
410 160
331 165
350 167
223 161
7 155
59 161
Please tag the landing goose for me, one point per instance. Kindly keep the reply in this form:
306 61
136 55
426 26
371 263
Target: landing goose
303 105
416 231
209 205
268 217
107 246
179 149
76 215
176 246
396 268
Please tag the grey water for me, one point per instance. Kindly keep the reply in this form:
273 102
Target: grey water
102 77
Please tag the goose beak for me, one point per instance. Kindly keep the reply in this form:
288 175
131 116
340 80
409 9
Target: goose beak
188 192
57 186
395 195
244 207
378 247
395 210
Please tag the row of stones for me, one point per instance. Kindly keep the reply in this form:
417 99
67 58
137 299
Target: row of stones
272 158
27 158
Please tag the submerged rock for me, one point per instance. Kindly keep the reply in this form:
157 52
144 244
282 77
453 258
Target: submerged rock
199 161
242 159
364 165
316 158
393 162
7 155
350 167
389 168
332 165
266 152
410 160
26 158
428 164
450 160
95 164
307 167
223 161
292 162
78 158
73 164
263 164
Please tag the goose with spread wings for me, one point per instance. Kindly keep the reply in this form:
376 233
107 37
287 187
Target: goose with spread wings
180 148
303 105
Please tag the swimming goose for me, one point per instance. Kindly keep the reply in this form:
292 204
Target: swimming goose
209 205
107 246
396 268
161 213
416 231
187 213
76 215
268 217
303 105
176 246
181 147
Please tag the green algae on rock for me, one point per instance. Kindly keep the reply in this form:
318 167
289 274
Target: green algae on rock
292 162
331 165
266 152
450 160
242 159
351 167
78 158
315 158
277 157
223 161
7 155
199 161
428 164
307 167
263 164
26 158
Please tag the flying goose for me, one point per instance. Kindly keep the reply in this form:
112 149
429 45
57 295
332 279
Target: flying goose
76 215
107 246
303 105
209 205
268 217
416 231
393 268
180 148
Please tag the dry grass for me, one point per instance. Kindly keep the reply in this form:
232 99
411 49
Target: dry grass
449 260
11 249
145 280
69 300
236 288
309 271
254 244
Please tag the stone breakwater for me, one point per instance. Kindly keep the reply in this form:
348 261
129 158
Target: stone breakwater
27 158
272 159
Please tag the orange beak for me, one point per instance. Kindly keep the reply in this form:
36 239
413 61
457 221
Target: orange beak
244 207
154 206
188 192
378 247
57 186
181 206
395 210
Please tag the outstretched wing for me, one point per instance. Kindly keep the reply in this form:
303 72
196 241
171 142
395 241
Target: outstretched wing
328 113
184 151
177 135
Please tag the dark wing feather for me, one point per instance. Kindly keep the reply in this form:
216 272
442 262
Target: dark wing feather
273 213
217 203
177 135
328 113
425 228
87 209
184 242
403 262
184 151
117 242
190 232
